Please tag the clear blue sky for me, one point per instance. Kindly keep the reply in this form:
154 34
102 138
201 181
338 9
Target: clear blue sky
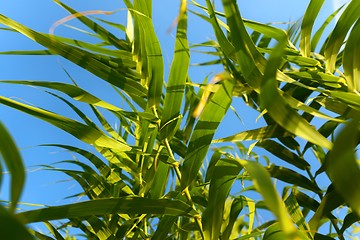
42 186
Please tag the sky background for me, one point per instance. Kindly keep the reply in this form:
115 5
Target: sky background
49 187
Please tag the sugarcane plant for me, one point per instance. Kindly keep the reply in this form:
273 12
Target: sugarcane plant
161 174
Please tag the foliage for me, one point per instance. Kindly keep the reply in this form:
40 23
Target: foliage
149 178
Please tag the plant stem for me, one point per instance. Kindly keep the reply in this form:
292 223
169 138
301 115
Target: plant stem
178 175
311 176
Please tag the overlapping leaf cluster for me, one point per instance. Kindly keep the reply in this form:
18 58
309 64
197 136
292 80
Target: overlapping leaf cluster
148 179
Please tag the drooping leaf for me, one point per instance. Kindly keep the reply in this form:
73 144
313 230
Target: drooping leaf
271 131
125 205
342 167
204 131
283 153
292 177
277 107
10 155
351 59
11 227
102 32
345 22
79 130
263 184
104 69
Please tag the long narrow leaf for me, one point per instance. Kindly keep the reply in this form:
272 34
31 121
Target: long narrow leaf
81 131
223 177
279 110
178 73
247 56
11 156
342 167
351 59
263 184
204 131
307 24
84 59
125 205
333 45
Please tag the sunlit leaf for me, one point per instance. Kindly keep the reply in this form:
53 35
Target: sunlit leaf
204 131
224 175
345 22
307 24
279 110
177 77
128 205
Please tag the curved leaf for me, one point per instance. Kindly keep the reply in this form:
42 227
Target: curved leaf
11 156
333 45
277 107
125 205
351 59
79 130
11 227
307 24
342 167
223 177
178 74
263 184
204 131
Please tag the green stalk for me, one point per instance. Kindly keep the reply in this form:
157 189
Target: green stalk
178 175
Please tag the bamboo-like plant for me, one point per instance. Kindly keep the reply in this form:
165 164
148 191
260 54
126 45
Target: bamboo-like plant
148 179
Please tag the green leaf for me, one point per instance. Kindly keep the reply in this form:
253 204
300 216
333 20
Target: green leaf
331 200
351 99
102 32
226 46
11 227
345 22
297 216
11 156
283 153
274 232
223 177
271 131
342 167
72 91
250 60
292 177
351 59
124 205
318 34
236 207
177 78
277 107
307 24
349 220
264 186
103 68
151 50
325 79
81 131
204 131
